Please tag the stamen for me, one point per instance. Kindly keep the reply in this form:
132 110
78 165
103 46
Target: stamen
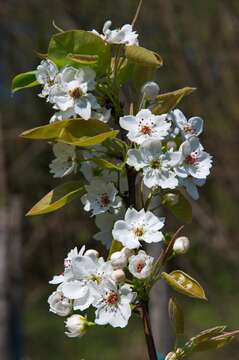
76 93
111 298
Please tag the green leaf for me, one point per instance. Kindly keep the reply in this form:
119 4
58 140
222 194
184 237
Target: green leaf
115 246
181 207
205 336
215 343
76 132
24 80
83 59
142 56
105 164
64 48
176 316
57 198
166 102
184 284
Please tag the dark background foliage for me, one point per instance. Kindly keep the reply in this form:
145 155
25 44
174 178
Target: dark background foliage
199 43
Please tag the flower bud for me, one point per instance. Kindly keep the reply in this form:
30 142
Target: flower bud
59 304
171 356
150 90
92 253
181 245
77 325
171 199
118 275
118 260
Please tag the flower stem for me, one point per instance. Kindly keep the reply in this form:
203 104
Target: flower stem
148 332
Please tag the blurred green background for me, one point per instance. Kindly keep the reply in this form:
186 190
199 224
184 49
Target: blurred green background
198 41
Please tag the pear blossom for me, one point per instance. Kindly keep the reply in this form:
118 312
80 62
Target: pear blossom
113 304
195 161
65 162
144 126
46 74
100 197
76 325
118 275
118 260
138 226
158 166
140 265
105 223
124 35
191 185
59 304
188 128
150 90
72 91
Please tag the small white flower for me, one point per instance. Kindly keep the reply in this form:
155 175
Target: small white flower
150 90
76 325
124 35
145 125
113 304
46 74
72 91
100 197
65 162
101 115
188 128
194 162
138 226
158 167
191 185
59 304
181 245
63 115
118 276
140 265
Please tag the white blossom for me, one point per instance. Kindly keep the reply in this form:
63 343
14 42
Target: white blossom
118 260
191 185
138 226
188 128
72 92
150 90
124 35
140 265
105 223
181 245
145 125
194 161
113 304
76 325
158 167
46 74
118 275
65 162
59 304
100 197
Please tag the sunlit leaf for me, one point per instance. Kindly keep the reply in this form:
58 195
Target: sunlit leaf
65 46
57 198
105 164
181 207
76 132
142 56
166 102
184 284
24 80
176 316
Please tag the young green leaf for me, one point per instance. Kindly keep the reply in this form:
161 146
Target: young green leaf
184 284
115 246
76 132
57 198
24 80
181 207
105 164
65 47
83 59
176 316
142 56
166 102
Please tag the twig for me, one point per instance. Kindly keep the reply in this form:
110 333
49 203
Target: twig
137 13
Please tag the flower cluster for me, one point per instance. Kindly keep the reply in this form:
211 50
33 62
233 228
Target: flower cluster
129 152
90 281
